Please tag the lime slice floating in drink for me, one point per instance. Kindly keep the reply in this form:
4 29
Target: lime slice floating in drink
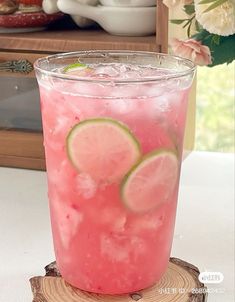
151 182
75 66
78 69
103 148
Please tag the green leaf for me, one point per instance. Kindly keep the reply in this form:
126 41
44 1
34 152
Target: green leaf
178 21
214 5
189 22
206 1
189 30
198 26
216 39
222 52
189 9
202 35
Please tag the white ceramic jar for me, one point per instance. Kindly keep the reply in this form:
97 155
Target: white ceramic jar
123 21
51 7
128 3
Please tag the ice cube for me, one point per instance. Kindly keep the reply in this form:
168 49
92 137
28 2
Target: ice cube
146 223
114 217
121 247
114 248
122 106
106 71
67 220
138 245
61 175
85 185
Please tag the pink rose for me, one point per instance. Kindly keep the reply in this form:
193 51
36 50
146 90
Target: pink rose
174 3
192 50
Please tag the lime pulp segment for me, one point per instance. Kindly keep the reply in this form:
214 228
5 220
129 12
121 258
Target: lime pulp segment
151 182
104 148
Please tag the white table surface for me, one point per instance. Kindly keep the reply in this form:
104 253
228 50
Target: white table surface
204 233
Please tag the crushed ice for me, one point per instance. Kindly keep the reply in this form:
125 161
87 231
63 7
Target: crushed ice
86 186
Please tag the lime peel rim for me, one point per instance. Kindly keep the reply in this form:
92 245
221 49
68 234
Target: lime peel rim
134 168
120 125
74 66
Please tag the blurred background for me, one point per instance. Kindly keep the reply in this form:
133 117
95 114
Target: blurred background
215 100
215 121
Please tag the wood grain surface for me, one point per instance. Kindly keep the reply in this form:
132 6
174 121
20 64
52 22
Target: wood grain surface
162 27
6 56
21 149
74 40
179 284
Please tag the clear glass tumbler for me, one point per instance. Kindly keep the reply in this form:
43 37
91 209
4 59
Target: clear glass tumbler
113 124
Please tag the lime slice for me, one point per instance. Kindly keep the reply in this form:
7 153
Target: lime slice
75 67
103 148
151 182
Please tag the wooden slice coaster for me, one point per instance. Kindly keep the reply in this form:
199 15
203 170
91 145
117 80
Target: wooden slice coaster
179 284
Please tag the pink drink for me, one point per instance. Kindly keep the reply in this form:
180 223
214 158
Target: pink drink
101 244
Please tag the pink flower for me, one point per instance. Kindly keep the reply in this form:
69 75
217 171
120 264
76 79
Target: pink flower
174 3
192 50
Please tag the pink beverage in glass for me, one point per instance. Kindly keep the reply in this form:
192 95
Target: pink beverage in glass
113 126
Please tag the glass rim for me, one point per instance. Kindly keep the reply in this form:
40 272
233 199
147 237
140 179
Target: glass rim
85 53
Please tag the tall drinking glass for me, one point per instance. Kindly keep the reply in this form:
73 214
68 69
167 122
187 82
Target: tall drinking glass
113 124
